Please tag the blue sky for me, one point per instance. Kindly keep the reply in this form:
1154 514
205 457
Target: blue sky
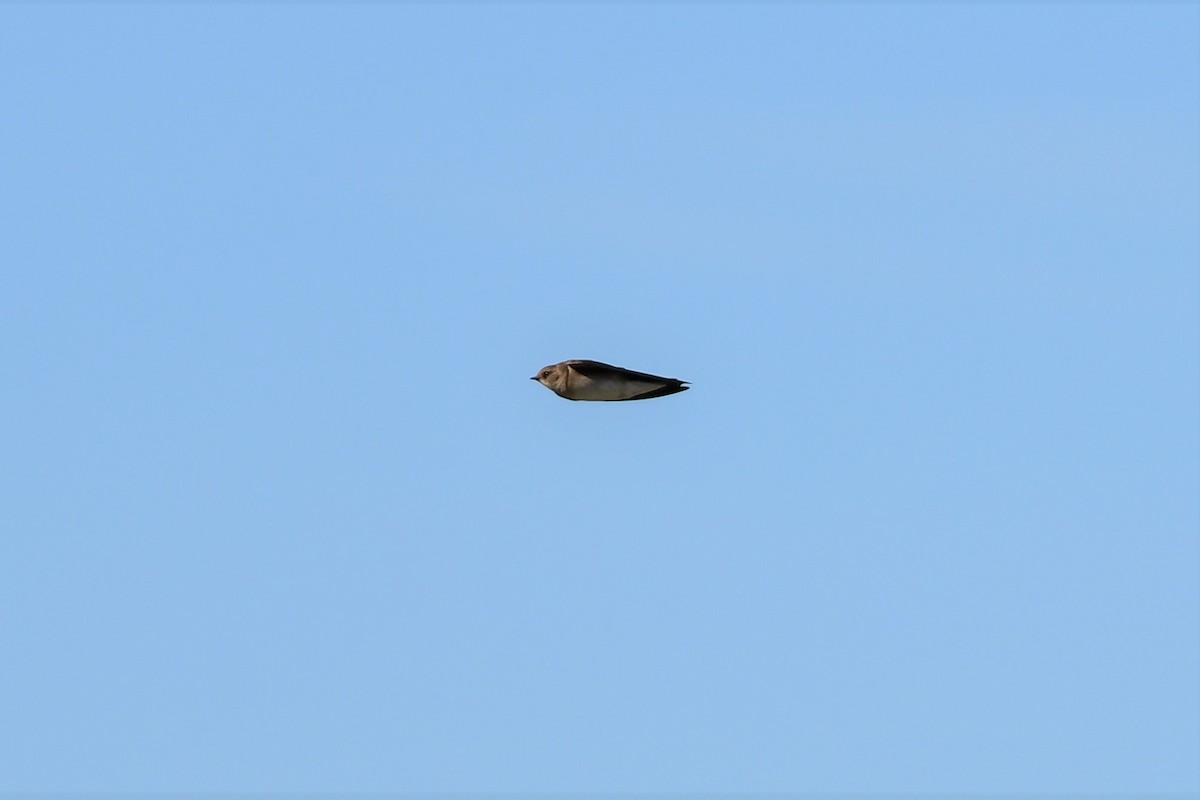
283 512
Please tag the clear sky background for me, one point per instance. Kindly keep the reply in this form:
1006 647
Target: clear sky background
282 510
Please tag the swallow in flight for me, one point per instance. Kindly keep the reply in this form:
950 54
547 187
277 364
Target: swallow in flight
591 380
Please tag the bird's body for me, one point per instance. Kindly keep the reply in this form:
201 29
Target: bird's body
592 380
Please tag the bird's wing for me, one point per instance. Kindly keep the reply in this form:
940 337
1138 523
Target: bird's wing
596 370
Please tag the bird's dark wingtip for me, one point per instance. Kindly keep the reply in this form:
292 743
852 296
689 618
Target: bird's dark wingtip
664 391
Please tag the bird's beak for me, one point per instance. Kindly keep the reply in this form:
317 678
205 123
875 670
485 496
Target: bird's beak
534 378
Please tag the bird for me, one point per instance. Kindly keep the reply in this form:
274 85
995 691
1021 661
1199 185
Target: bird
592 380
